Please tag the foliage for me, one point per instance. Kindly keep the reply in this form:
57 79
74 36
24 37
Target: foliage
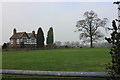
4 46
114 66
50 36
58 43
89 27
40 38
50 39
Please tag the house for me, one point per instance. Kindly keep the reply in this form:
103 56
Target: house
19 38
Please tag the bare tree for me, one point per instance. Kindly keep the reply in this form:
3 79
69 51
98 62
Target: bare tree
88 27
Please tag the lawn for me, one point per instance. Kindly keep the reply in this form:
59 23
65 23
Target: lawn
74 59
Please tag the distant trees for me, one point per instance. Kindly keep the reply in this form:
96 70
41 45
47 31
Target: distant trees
88 27
58 43
72 44
40 38
67 43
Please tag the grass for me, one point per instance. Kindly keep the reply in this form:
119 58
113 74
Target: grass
74 59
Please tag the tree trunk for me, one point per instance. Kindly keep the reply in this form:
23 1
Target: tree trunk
91 41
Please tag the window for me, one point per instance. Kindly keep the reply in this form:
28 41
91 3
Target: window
17 41
24 39
33 41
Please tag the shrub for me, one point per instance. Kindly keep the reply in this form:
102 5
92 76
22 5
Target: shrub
114 66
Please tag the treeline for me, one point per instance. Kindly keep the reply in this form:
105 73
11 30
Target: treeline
77 44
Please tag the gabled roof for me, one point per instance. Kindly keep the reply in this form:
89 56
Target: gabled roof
30 34
20 34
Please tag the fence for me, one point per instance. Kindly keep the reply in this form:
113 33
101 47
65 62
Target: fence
57 73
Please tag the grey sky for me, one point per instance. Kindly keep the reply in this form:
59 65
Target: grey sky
62 16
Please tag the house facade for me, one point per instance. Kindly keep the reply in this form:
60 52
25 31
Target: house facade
19 38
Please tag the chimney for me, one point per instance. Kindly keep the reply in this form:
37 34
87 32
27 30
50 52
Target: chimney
33 32
15 35
14 31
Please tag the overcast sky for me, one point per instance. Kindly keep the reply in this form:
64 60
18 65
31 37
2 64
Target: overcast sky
62 16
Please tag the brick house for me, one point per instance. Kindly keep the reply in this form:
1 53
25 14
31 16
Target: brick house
19 38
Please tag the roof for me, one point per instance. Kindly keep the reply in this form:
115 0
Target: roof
30 34
20 34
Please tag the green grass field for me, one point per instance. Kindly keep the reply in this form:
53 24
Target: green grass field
74 59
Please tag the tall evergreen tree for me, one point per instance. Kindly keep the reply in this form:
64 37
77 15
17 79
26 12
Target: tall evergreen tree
50 37
40 38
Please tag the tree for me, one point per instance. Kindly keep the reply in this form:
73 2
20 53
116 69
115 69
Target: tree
67 43
58 43
77 44
40 38
50 36
114 66
4 46
89 27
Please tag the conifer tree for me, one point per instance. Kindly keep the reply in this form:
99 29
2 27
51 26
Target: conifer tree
40 38
50 37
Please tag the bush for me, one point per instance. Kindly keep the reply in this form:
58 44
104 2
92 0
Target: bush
4 46
114 66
